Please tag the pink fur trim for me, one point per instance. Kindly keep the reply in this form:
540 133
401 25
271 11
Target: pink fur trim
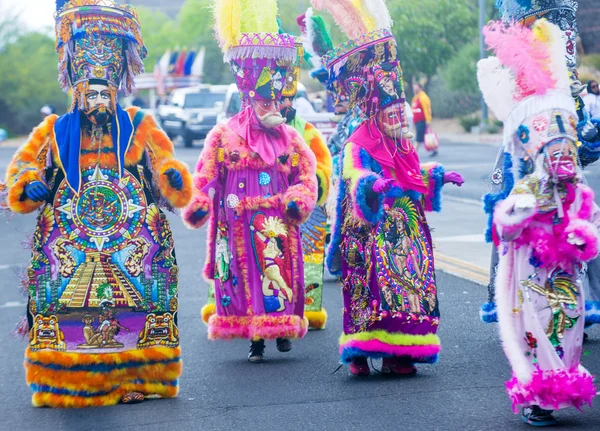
588 233
393 350
552 389
510 222
587 202
249 327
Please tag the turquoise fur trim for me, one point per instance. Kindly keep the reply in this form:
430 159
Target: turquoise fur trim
488 312
87 394
333 259
364 191
491 199
592 313
437 175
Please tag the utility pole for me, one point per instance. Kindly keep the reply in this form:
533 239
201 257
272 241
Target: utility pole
482 54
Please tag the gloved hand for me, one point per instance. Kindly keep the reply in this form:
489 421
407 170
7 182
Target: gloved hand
293 210
382 185
175 179
200 214
454 178
573 239
589 131
525 202
37 191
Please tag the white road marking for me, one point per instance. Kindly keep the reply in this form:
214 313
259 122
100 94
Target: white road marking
462 238
13 304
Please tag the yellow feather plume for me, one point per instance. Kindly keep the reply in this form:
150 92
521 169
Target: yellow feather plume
228 17
364 13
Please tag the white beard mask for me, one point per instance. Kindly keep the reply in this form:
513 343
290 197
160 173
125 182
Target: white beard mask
271 120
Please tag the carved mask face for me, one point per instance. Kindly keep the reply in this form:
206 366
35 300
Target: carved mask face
98 104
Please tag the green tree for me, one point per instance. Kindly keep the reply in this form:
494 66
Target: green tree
28 79
460 73
430 32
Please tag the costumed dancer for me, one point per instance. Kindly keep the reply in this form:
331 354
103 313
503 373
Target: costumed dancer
256 183
563 14
103 276
381 245
546 226
314 230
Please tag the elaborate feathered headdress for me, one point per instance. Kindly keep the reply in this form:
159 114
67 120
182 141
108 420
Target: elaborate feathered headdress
317 42
247 32
97 39
365 70
527 85
559 12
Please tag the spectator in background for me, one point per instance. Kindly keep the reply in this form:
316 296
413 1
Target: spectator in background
47 110
592 99
421 107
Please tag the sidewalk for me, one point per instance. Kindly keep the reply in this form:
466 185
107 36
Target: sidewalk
450 130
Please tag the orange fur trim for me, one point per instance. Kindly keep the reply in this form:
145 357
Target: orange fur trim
138 146
15 192
317 144
153 371
28 164
177 198
240 256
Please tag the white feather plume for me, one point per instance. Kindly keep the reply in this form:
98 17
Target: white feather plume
307 41
498 86
558 54
379 11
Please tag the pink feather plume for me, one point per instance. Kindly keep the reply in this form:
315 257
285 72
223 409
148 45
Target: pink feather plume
345 15
526 56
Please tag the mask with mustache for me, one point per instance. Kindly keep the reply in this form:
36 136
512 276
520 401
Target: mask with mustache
289 113
98 115
271 120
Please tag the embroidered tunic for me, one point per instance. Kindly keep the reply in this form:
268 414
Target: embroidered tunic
103 275
260 294
540 301
382 250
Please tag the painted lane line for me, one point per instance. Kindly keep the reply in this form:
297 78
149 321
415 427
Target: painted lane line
13 304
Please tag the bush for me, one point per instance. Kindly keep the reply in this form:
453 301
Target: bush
461 71
469 121
446 103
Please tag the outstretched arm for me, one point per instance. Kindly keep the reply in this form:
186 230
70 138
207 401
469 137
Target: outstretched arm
197 211
301 196
25 180
171 175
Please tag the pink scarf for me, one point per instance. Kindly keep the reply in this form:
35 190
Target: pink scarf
267 143
400 163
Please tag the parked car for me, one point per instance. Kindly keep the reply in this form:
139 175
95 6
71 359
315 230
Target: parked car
321 120
192 112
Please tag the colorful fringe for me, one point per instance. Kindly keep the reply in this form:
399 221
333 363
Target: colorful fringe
552 389
488 312
592 313
256 327
381 344
67 380
316 319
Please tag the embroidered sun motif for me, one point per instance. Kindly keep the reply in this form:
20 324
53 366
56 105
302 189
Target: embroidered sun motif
274 227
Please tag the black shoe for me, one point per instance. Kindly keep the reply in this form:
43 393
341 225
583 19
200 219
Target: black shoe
284 344
537 417
433 154
585 337
257 349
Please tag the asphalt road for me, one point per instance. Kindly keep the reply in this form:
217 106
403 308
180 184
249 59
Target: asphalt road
297 390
